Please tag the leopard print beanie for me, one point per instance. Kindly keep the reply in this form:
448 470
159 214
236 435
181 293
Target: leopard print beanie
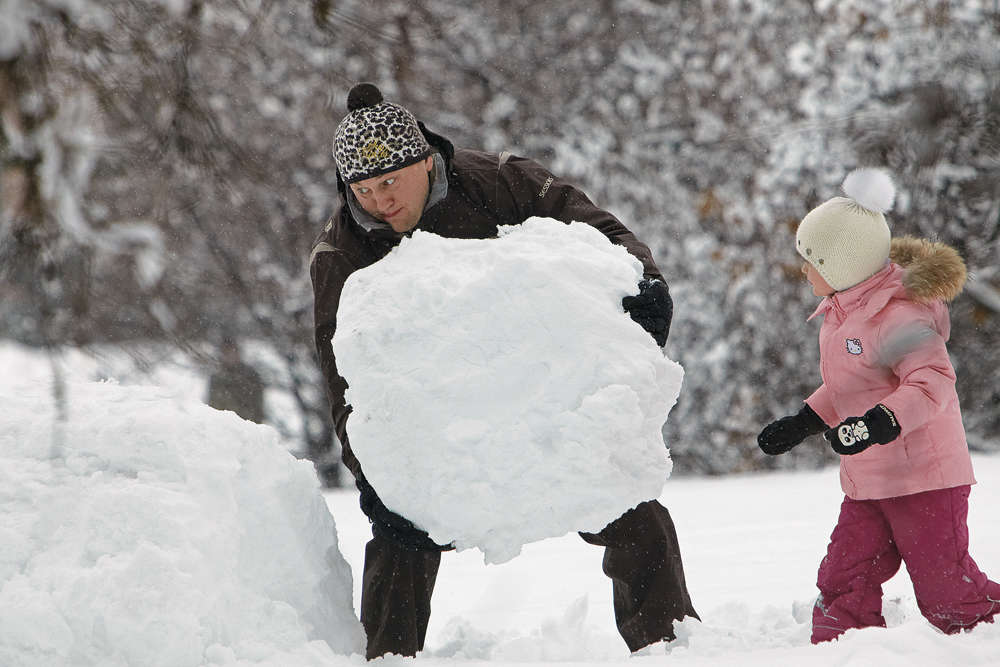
376 136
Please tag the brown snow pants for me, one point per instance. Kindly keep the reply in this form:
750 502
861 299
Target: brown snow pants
641 557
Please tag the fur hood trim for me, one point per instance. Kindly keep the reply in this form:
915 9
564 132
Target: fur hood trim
933 270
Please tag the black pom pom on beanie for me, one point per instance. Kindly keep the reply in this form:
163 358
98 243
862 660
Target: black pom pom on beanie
363 95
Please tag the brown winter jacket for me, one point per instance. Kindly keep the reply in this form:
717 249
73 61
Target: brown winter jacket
484 191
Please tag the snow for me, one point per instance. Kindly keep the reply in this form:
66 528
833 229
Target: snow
141 530
504 378
141 524
751 544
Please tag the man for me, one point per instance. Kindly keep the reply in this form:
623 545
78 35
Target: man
395 176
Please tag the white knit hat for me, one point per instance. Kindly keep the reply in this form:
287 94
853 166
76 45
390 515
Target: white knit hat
846 239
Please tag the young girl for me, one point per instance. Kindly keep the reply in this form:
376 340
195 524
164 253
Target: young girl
888 393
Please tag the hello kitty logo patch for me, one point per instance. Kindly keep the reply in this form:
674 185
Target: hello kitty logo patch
854 346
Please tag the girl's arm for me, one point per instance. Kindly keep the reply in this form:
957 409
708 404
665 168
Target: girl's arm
821 404
917 354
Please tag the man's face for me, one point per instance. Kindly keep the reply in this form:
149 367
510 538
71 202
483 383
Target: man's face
398 197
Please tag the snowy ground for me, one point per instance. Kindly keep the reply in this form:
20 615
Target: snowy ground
751 547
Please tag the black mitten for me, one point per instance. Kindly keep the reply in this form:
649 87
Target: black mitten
652 308
878 426
780 436
392 526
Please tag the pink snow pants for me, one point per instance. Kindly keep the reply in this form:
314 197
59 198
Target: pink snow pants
928 532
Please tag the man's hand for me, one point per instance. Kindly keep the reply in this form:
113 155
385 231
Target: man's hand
392 526
652 308
878 426
780 436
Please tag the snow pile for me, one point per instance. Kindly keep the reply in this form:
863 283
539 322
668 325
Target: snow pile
145 530
500 394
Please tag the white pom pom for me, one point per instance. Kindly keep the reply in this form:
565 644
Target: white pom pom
871 188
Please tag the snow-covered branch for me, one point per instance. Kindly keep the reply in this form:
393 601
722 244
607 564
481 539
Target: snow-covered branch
985 294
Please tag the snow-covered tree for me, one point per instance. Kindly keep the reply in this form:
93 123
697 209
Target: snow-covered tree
167 163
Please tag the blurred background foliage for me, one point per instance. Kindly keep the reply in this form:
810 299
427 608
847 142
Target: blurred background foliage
165 164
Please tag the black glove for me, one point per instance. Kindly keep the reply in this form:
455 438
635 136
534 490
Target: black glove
652 308
392 526
878 426
780 436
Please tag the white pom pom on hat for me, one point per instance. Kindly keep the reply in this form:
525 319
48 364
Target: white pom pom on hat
871 188
846 239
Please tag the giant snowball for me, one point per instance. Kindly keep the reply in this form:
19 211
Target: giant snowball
142 529
500 394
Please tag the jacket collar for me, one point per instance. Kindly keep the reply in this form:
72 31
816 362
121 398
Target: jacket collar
869 296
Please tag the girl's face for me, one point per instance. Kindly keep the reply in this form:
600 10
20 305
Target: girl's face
819 285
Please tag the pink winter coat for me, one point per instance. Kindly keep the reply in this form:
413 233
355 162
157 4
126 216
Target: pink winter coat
883 341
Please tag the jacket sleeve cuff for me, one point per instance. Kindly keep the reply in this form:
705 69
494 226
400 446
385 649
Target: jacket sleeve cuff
815 422
822 406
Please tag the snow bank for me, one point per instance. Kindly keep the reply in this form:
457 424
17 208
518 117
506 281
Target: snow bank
500 394
145 530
